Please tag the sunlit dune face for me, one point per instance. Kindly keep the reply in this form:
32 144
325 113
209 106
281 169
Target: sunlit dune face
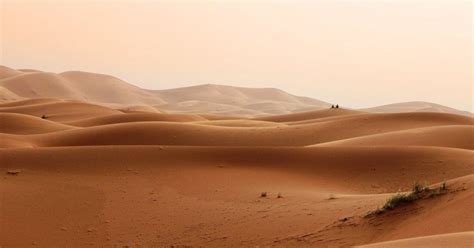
357 54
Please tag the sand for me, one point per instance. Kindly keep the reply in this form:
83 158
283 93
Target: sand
78 173
462 239
222 100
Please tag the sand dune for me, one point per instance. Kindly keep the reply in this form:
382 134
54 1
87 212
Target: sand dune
461 240
233 95
6 72
379 170
110 91
193 106
138 108
6 95
460 136
148 186
61 110
12 123
310 115
77 86
180 133
240 123
427 217
14 141
121 166
28 102
416 107
231 100
136 117
208 98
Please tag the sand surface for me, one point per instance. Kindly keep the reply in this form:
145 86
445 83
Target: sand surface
112 165
77 174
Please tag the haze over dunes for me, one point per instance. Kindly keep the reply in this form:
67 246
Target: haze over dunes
359 54
91 160
210 98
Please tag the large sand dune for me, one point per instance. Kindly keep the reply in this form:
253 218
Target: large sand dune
111 91
77 86
416 107
458 136
81 168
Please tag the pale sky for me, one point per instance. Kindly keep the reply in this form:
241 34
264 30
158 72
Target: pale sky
355 53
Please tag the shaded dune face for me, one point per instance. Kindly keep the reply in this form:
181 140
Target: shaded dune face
78 174
457 136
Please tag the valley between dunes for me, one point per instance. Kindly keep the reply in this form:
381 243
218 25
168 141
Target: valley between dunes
78 174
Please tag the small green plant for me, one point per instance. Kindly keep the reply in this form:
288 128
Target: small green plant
418 192
434 193
398 199
418 188
444 185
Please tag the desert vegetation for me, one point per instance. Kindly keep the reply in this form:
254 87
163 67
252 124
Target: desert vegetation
419 191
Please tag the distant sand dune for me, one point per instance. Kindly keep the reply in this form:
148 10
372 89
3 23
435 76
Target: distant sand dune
310 115
6 72
416 107
208 98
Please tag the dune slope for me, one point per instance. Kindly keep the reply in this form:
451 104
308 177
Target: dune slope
457 136
12 123
461 240
142 187
180 133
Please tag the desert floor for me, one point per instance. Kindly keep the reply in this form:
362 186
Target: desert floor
89 175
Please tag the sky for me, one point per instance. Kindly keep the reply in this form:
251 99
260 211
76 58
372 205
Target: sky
356 53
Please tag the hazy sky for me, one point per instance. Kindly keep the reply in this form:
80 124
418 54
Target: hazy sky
356 53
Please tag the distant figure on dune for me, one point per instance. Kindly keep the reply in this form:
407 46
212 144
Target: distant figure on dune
332 106
337 105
